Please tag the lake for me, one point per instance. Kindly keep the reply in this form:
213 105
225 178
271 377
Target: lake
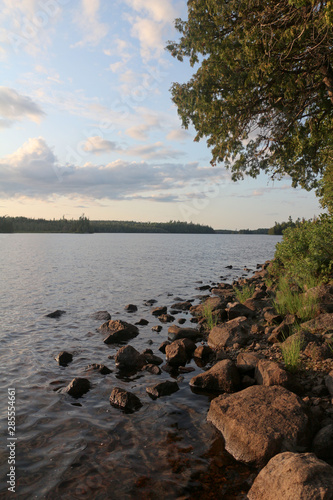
85 448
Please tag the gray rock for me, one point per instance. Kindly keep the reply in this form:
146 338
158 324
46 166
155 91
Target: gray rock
260 422
293 476
77 387
127 401
162 389
222 377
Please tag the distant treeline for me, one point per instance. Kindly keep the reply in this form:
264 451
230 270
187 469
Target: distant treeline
84 225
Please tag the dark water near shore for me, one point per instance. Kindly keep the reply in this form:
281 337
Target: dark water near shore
85 448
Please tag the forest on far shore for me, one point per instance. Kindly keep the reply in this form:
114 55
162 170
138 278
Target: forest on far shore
84 225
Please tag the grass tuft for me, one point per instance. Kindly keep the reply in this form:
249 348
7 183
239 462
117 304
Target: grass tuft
244 293
291 351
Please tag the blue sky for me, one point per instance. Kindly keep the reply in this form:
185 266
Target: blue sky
87 124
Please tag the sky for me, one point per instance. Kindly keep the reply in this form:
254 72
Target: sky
87 124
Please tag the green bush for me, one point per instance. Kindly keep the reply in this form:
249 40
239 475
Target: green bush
306 252
289 301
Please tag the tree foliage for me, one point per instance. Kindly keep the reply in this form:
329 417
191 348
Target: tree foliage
262 94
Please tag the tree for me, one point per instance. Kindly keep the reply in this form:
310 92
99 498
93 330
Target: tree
263 92
325 190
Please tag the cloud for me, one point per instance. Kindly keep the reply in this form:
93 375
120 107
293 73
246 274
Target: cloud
87 18
150 25
34 171
179 135
16 107
98 145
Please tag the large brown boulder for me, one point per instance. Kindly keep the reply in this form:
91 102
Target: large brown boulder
293 476
118 331
223 376
320 324
176 353
260 422
229 333
77 387
129 358
211 303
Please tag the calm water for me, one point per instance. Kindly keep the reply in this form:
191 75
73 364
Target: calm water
85 448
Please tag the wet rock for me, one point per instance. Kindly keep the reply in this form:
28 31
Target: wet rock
162 389
236 310
118 331
142 322
246 362
127 401
158 311
323 443
77 387
260 422
55 314
181 321
64 358
150 302
203 287
270 373
102 369
163 346
176 354
155 370
152 358
129 358
101 316
293 476
230 333
223 376
203 352
166 318
157 328
186 369
176 333
131 308
182 306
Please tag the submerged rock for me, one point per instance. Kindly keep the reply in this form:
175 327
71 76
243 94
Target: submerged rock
102 369
55 314
77 387
127 401
118 331
162 389
64 358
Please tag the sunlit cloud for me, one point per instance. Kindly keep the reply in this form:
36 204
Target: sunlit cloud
16 107
87 18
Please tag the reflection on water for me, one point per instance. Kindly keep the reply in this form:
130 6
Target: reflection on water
85 448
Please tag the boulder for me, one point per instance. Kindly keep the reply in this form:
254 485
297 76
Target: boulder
151 358
320 324
77 387
102 369
158 311
163 346
129 358
293 476
281 332
101 316
270 373
154 369
271 317
181 321
227 334
127 401
211 303
162 389
118 331
203 351
236 310
64 358
260 422
166 318
322 444
222 377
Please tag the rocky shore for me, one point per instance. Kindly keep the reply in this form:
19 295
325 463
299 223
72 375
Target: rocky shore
278 420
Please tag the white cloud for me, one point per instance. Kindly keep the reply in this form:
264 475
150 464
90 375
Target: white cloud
16 107
98 145
87 18
179 135
34 171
